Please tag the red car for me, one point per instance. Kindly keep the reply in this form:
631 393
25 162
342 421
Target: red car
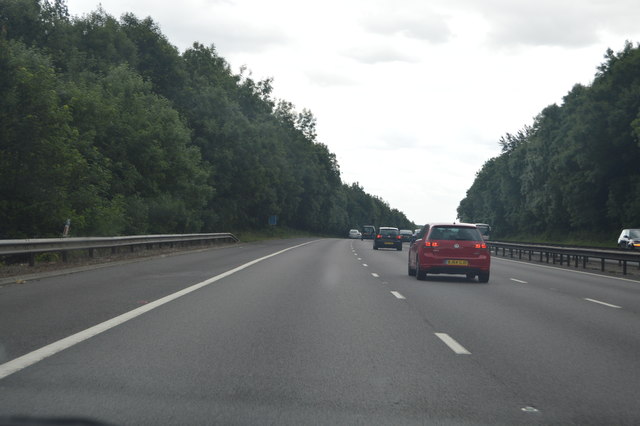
445 248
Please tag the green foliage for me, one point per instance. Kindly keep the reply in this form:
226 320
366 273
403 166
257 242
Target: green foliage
104 122
41 161
576 169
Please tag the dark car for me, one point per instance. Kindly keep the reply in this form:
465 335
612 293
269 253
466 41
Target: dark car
629 239
387 237
406 234
485 230
368 232
444 248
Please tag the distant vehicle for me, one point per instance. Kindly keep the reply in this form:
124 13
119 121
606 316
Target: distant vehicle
387 237
354 233
629 239
406 235
416 231
368 232
443 248
485 230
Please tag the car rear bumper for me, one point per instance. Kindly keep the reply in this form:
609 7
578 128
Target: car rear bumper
387 244
437 265
461 270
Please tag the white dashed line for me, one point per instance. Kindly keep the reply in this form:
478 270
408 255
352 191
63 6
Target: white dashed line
375 275
453 345
603 303
364 264
398 295
359 258
518 281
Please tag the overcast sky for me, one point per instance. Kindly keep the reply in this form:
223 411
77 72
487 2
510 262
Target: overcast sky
411 95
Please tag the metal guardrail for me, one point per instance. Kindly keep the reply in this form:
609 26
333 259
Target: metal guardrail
32 247
561 255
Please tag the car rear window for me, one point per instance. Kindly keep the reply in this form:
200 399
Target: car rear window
389 232
458 233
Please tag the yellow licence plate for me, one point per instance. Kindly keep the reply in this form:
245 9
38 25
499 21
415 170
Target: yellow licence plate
389 244
456 262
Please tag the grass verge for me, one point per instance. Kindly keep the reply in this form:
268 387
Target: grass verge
273 233
578 239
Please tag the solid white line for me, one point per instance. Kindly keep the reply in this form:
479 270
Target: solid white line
455 346
375 275
31 358
557 268
603 303
398 295
518 281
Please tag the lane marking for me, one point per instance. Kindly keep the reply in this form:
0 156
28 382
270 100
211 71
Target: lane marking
359 258
31 358
518 281
557 268
398 295
603 303
453 345
375 275
364 264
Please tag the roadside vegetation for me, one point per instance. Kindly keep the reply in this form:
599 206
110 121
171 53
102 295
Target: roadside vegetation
574 174
104 122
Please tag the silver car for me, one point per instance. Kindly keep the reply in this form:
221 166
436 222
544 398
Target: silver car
629 239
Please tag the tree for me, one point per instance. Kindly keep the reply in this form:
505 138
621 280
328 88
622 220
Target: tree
41 165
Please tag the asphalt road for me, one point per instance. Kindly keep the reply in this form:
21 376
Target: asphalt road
326 332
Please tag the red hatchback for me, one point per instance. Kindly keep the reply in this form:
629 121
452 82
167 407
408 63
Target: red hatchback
443 248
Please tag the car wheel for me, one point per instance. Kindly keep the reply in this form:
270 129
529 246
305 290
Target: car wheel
471 277
420 275
399 248
483 277
375 247
412 272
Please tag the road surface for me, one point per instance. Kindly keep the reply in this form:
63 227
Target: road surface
322 331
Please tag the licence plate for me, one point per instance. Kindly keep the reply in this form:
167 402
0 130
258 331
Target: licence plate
456 262
388 244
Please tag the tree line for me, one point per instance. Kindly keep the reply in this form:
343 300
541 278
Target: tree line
576 169
104 122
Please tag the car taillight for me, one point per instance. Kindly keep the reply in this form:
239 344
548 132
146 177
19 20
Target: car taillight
431 244
483 245
399 237
378 236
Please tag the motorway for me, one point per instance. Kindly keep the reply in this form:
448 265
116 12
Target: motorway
322 331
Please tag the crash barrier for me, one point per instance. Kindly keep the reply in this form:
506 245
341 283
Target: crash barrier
566 255
33 247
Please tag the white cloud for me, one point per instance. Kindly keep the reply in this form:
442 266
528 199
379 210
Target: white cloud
559 23
325 78
376 54
430 26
